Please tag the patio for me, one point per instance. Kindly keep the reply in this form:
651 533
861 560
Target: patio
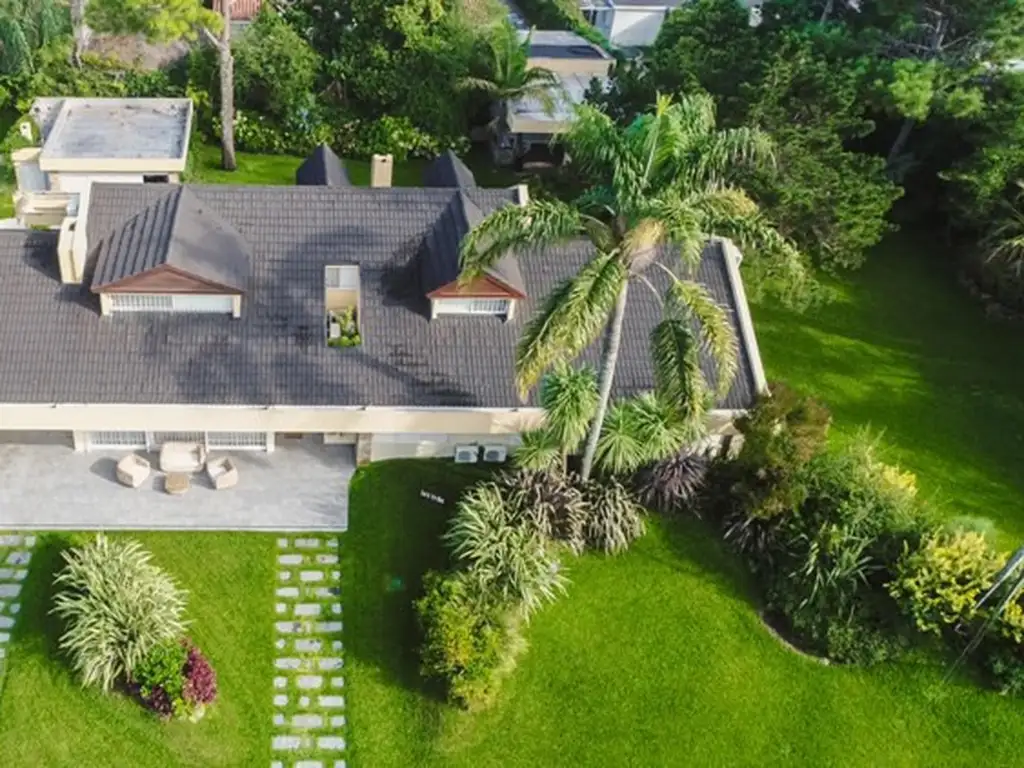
302 486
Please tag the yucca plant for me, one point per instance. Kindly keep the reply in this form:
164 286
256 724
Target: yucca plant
614 519
117 607
510 560
673 484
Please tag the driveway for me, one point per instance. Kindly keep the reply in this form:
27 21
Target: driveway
302 486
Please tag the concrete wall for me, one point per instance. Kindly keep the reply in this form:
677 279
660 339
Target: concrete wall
636 26
413 446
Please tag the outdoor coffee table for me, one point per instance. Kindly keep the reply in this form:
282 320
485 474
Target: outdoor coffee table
176 483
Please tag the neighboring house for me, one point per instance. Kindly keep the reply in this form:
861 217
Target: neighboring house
525 123
82 141
636 23
628 23
204 313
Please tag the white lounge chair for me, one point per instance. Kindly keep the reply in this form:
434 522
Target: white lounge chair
182 457
132 470
222 473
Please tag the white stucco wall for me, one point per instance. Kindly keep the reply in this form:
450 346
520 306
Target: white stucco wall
636 26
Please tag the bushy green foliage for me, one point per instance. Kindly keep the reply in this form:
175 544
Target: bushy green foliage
939 583
117 607
160 680
469 643
25 27
275 68
781 434
508 558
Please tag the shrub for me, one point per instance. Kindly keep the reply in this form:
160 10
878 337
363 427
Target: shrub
939 583
550 502
396 136
510 560
159 677
854 642
1005 668
673 484
200 681
614 519
117 606
468 642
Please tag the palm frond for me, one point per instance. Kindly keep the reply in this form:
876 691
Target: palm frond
680 381
480 84
620 446
539 222
540 450
572 317
716 330
569 397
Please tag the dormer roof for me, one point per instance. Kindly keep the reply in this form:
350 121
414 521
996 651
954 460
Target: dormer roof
179 237
322 168
439 257
447 170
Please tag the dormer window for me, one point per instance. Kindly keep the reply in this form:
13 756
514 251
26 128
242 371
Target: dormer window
497 307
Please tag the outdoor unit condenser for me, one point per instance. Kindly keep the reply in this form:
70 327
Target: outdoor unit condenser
495 453
467 454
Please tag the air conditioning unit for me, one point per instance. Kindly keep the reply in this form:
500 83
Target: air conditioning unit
467 454
495 453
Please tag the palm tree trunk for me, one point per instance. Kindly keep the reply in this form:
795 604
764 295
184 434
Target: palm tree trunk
227 92
611 357
826 12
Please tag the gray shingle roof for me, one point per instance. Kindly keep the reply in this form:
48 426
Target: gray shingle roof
447 170
57 349
322 168
178 230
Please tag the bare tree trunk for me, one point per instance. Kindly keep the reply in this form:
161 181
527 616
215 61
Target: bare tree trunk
901 140
608 363
826 12
81 31
227 93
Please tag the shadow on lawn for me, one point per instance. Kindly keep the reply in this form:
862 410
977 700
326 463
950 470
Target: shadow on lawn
38 629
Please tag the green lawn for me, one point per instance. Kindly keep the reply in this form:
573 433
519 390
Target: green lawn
905 350
47 719
280 169
654 658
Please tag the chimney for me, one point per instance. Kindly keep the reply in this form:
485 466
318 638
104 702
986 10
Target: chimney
381 167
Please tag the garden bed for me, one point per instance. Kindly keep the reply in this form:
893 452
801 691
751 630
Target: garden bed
656 657
47 718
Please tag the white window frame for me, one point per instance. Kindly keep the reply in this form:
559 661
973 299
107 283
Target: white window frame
473 306
185 303
117 439
341 277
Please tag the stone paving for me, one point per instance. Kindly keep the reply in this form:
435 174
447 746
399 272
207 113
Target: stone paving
15 555
309 682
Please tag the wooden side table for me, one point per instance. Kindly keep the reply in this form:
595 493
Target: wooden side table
176 483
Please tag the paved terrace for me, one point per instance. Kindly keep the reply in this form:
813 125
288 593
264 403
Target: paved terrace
299 487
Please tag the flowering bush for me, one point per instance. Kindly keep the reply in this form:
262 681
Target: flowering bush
176 680
200 686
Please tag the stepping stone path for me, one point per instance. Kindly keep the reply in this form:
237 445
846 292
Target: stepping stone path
308 674
15 556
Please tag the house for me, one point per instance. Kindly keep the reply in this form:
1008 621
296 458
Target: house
526 124
628 23
82 141
636 23
208 314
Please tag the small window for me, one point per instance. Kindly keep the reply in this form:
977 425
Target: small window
343 277
155 178
141 302
471 306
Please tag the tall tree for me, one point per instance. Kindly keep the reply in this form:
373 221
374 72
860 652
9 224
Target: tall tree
660 184
25 27
165 20
509 74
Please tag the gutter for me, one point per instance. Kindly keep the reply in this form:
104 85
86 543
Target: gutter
733 258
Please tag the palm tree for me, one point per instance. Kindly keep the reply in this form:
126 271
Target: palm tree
510 76
661 181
